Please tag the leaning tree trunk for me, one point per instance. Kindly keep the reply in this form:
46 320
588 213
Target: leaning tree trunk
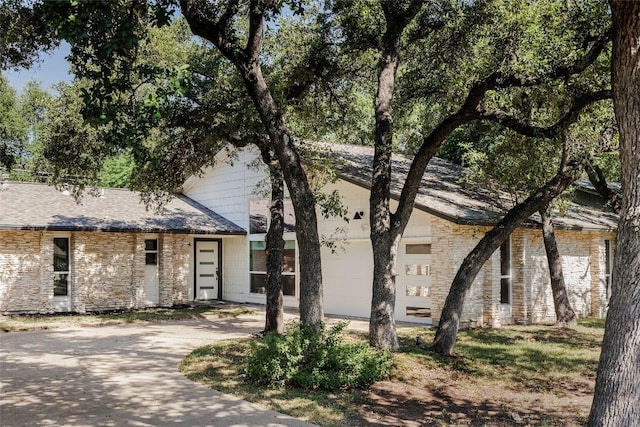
616 400
565 316
274 318
446 334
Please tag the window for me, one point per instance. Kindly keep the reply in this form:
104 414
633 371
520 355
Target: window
258 268
417 291
418 249
417 270
61 266
505 272
418 312
607 265
151 251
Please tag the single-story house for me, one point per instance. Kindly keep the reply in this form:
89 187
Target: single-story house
228 203
106 252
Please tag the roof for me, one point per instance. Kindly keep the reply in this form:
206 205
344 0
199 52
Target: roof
29 206
446 194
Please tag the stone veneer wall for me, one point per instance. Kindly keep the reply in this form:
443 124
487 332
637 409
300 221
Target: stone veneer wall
107 270
532 302
450 245
583 263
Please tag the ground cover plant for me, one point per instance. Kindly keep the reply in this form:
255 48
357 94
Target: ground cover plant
29 322
520 375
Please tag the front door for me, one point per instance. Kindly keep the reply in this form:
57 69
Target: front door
207 277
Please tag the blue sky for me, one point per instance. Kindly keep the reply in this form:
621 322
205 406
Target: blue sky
52 69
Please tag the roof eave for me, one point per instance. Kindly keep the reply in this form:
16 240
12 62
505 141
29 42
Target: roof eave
9 227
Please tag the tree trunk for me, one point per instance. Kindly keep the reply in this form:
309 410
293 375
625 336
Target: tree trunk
311 310
203 22
385 230
565 316
382 329
274 321
616 400
446 334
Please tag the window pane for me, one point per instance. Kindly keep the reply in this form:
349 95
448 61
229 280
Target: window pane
417 270
505 259
607 254
258 283
258 261
60 254
289 285
422 248
60 285
417 291
151 245
505 286
289 261
151 258
418 312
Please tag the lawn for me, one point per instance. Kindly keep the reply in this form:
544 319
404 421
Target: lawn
47 321
520 375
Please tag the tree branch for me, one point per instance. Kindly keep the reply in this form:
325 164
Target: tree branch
207 21
254 42
499 80
498 116
597 178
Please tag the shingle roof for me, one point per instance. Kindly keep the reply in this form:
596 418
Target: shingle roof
443 192
28 206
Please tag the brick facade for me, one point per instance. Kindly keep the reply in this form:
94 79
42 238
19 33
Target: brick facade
107 271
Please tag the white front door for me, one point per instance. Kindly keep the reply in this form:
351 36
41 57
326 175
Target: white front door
206 269
151 282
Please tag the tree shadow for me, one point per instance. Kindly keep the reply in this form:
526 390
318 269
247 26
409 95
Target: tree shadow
117 376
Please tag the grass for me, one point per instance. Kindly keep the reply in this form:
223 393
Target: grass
29 322
494 371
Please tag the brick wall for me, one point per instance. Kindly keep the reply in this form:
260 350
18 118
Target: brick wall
107 271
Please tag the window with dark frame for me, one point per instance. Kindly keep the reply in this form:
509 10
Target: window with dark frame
61 265
151 251
505 272
258 268
607 266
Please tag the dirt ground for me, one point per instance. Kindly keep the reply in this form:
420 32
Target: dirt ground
444 401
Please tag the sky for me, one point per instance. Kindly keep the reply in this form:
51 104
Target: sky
52 69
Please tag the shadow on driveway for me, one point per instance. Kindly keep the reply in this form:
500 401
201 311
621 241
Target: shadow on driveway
123 375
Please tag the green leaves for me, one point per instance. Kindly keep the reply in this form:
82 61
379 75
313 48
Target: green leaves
316 359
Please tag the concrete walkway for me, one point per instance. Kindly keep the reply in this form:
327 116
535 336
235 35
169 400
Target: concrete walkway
120 376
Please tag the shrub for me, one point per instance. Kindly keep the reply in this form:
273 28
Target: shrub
315 359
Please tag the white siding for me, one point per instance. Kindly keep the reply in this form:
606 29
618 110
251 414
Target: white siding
227 187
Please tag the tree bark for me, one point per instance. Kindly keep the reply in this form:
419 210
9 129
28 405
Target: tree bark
565 316
616 400
385 230
274 316
446 334
204 22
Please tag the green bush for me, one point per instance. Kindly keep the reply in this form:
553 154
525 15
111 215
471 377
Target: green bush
315 359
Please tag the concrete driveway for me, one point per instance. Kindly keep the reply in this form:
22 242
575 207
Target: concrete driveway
120 376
